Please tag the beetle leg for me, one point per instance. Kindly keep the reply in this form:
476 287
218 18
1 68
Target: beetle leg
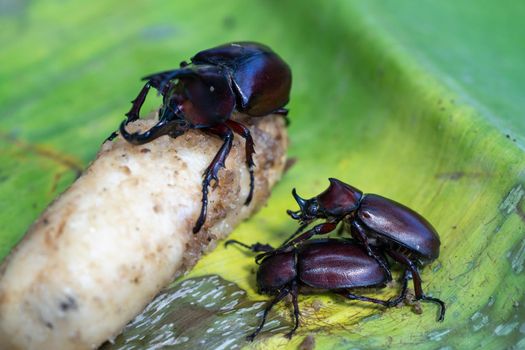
359 233
134 112
211 173
341 230
256 247
404 289
137 103
111 137
387 303
296 233
320 229
294 292
418 289
352 296
244 132
284 292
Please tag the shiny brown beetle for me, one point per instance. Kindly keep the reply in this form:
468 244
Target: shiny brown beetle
378 223
336 265
243 76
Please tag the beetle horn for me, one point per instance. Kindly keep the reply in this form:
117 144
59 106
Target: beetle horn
300 201
163 127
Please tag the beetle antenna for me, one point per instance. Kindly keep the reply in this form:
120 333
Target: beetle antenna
234 241
283 293
256 247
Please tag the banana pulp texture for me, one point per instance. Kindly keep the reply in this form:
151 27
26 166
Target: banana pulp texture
102 250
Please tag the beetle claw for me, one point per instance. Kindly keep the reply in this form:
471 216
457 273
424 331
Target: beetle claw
441 304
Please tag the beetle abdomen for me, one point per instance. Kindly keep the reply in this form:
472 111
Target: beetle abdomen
334 264
262 80
401 224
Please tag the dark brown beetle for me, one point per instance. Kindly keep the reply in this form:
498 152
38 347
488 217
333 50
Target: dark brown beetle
243 76
375 221
336 265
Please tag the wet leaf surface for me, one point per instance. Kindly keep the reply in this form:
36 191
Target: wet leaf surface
204 312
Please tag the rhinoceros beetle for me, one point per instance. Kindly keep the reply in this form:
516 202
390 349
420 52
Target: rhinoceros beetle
378 223
336 265
243 76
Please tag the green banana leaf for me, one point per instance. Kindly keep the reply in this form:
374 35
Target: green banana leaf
420 102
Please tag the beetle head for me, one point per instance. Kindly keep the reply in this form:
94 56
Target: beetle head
202 95
338 200
308 209
276 271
